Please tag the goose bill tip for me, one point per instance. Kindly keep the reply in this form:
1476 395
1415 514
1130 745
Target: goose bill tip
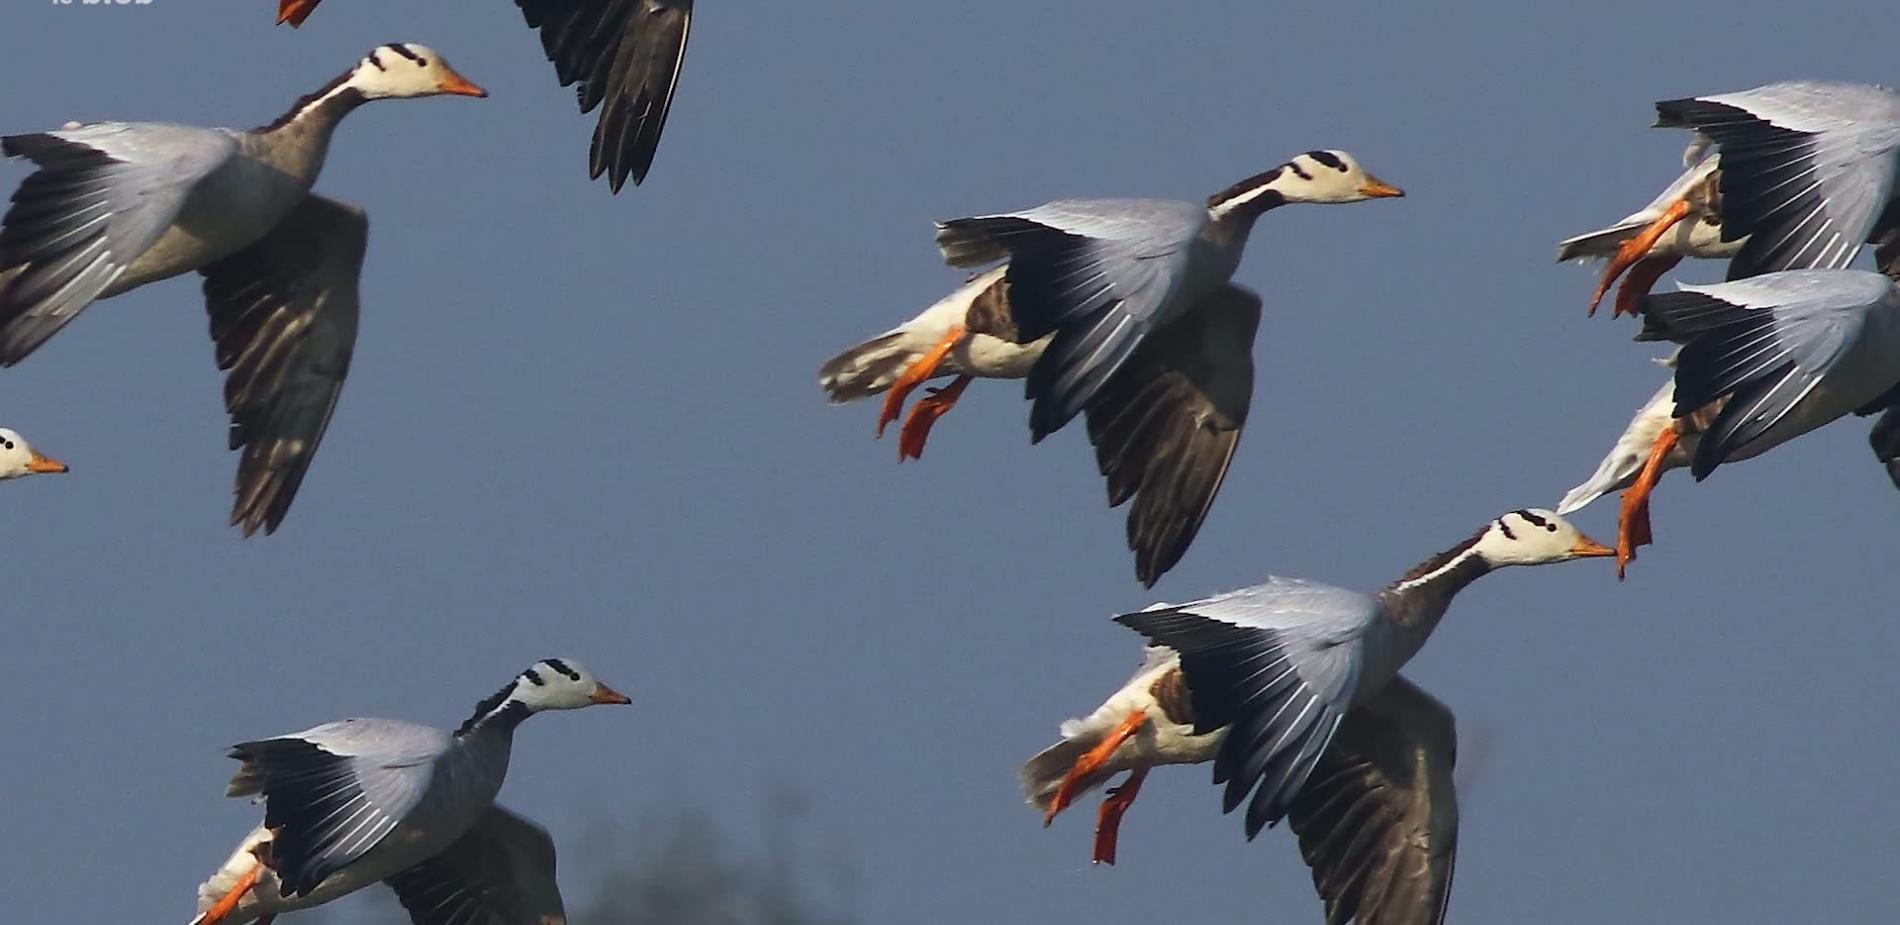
1588 548
604 694
46 465
1379 189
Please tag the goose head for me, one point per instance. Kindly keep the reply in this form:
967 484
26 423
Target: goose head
561 684
1331 176
402 70
1534 536
18 458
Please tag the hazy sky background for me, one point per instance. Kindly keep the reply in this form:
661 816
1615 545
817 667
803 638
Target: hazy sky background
584 425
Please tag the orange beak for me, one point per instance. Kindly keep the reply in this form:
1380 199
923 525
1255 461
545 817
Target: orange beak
1376 188
604 694
295 11
44 464
461 86
1588 548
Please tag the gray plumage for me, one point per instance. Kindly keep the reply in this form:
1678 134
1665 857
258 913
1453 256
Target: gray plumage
500 873
1807 168
1789 352
1886 442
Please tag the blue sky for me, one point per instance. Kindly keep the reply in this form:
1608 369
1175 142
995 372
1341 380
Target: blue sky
584 425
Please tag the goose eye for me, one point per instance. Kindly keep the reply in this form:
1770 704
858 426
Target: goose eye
9 444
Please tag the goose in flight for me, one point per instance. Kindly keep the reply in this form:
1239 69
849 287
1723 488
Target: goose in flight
352 803
113 206
1119 309
1291 689
624 58
1762 361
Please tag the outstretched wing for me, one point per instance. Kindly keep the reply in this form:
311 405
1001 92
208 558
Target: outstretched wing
1165 427
283 317
102 195
1278 665
1807 168
333 792
1767 343
500 873
1097 273
1378 819
626 57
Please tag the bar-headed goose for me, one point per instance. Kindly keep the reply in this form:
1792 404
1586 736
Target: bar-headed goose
626 55
1120 308
1763 360
1806 174
19 459
116 205
1684 220
1291 688
351 803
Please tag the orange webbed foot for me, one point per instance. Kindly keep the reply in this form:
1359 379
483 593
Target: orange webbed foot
1636 248
228 903
1632 522
914 375
1641 279
935 404
1085 767
295 12
1108 819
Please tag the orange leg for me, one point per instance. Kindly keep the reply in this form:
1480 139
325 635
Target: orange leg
228 904
1108 819
915 375
295 11
1636 248
1632 523
1089 763
910 440
1642 278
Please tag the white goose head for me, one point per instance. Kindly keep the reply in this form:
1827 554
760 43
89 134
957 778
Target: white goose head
19 459
401 70
1316 176
1534 537
549 684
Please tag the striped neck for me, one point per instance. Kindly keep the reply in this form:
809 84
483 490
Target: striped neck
1422 594
322 109
1250 198
500 712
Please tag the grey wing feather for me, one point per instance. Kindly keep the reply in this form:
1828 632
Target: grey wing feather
103 194
626 57
284 319
1096 273
1378 819
334 792
1807 168
1767 343
1166 427
500 873
1278 664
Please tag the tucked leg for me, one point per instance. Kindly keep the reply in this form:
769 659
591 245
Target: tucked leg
228 903
915 375
935 404
1637 247
1632 523
1091 762
1108 819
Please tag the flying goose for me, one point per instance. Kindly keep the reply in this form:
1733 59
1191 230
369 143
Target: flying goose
1119 308
1649 242
1762 361
1291 689
626 57
19 459
116 205
350 803
1806 174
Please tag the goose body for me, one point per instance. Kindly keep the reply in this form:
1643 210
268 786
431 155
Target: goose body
1763 361
1291 689
1119 309
114 206
362 801
623 56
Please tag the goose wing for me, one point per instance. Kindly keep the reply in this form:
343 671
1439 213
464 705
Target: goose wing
1277 663
1767 343
625 56
1378 820
1807 168
102 195
283 318
1165 427
333 792
1100 274
500 873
